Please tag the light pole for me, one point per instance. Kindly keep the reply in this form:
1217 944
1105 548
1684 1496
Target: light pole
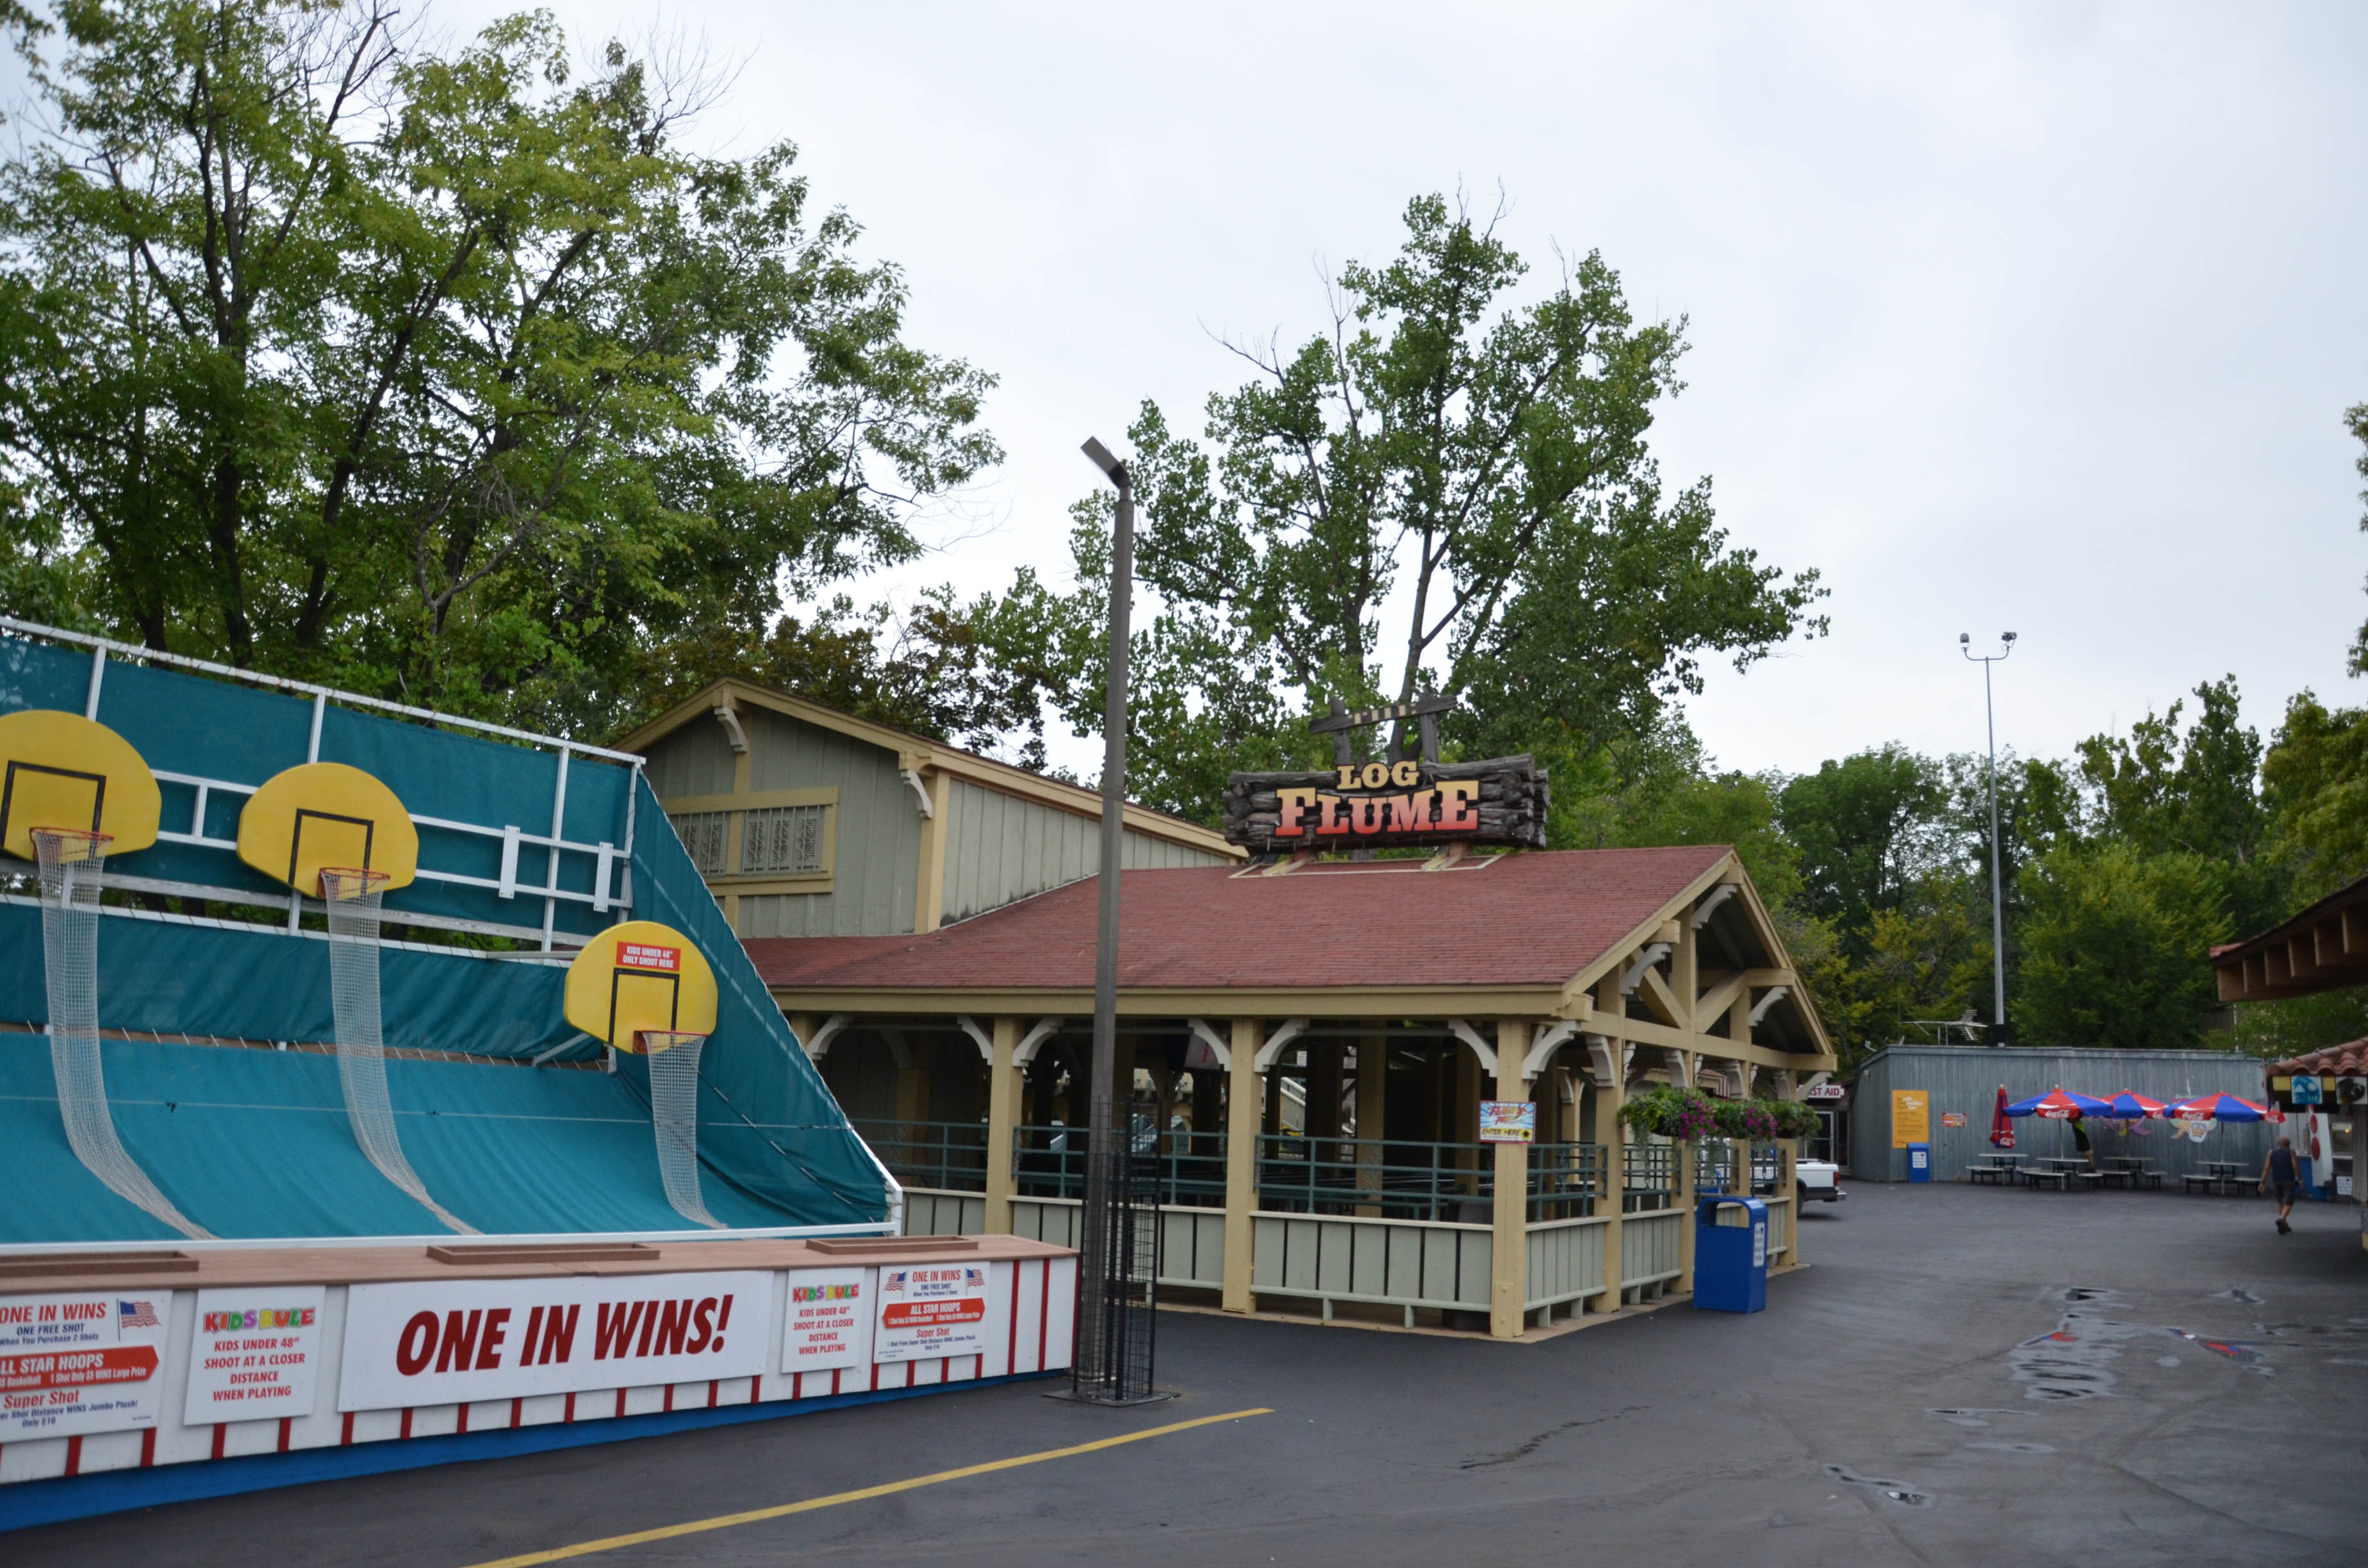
1101 1342
1998 884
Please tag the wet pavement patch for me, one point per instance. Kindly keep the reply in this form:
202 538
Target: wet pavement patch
1898 1492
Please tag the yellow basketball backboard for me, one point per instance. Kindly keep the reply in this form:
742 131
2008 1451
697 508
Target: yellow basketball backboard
62 770
325 813
640 975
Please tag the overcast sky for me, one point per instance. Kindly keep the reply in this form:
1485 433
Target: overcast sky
2041 318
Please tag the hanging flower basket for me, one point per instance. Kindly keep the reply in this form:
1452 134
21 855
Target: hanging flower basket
1688 1116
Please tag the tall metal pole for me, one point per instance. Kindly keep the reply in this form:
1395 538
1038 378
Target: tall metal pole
1998 880
1094 1327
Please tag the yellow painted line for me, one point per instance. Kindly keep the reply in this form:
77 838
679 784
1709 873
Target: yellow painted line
725 1521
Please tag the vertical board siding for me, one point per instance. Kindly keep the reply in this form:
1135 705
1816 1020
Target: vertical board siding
1192 1241
1001 848
1192 1247
877 860
1394 1262
1565 1259
1966 1078
930 1213
1779 1226
1651 1247
1049 1220
695 760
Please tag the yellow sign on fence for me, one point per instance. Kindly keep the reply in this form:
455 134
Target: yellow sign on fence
1911 1117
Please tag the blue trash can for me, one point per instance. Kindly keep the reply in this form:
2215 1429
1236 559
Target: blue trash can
1920 1162
1731 1255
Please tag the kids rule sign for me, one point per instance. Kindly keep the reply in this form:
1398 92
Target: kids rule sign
440 1342
253 1353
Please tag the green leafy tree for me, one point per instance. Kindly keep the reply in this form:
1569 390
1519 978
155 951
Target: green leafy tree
2315 781
1483 460
2114 946
2163 791
946 668
442 374
1868 829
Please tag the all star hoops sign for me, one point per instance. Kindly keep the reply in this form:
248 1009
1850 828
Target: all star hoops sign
930 1309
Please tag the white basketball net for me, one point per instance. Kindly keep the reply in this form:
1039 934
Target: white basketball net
353 904
673 1057
72 863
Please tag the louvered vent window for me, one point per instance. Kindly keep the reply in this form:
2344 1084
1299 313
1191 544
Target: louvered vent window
785 841
705 835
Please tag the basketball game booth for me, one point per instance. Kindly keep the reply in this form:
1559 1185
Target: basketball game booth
381 1089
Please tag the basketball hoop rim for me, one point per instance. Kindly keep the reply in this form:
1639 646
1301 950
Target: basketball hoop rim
372 881
673 1037
89 841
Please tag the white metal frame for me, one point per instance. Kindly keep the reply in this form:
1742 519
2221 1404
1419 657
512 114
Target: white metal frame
611 864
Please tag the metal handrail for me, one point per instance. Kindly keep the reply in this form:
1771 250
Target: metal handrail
1649 1177
948 1156
1188 1169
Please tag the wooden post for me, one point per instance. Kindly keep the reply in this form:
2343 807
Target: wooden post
912 1077
1002 1119
1372 1116
1242 1117
930 889
1508 1260
1686 1152
1788 1175
1611 1094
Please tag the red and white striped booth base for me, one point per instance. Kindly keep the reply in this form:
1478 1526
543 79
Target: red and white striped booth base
133 1378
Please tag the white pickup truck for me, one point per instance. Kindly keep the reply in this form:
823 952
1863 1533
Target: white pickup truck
1819 1179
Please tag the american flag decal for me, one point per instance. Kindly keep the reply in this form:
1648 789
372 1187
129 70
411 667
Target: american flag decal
134 1314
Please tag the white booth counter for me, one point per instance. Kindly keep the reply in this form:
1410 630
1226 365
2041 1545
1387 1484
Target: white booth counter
131 1376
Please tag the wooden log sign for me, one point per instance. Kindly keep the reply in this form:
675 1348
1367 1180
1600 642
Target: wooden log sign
1377 805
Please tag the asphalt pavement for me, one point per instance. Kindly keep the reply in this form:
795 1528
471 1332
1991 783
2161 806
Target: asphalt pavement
1962 1375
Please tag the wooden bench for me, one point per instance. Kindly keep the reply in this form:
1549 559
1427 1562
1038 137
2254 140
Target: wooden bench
2146 1178
2200 1183
2088 1179
1995 1174
2116 1178
2056 1179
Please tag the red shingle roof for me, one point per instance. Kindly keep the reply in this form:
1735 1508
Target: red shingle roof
2348 1060
1534 919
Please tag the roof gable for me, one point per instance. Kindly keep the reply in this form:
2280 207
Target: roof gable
918 752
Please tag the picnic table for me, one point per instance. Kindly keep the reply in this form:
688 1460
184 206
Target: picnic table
2059 1172
1998 1170
2127 1170
2227 1176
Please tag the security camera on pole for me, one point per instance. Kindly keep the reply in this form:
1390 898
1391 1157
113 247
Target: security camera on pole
1998 885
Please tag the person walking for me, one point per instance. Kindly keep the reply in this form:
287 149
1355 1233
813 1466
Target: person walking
2281 1173
2080 1144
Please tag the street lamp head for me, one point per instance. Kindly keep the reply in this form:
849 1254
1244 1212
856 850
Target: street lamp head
1965 638
1110 466
2007 637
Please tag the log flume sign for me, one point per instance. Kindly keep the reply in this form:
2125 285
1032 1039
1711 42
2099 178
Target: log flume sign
1501 801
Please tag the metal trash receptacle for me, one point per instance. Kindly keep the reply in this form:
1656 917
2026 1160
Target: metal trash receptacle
1920 1162
1731 1255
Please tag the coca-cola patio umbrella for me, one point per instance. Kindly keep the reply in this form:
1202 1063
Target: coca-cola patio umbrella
2058 1105
2215 1108
2001 1129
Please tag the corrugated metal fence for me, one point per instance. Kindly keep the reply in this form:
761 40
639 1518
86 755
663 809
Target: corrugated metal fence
1964 1080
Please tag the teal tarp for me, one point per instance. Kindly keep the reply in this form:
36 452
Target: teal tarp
245 1142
